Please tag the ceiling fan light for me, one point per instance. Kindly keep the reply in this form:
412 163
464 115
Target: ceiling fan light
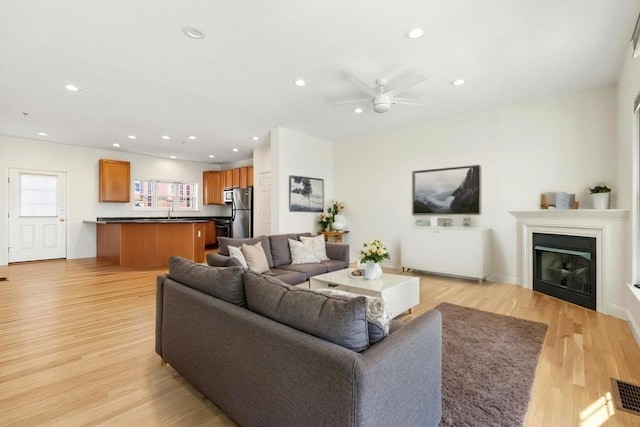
381 103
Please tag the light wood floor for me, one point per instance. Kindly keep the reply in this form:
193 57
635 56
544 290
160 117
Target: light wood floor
77 348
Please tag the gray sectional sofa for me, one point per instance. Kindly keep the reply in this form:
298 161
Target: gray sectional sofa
276 248
272 354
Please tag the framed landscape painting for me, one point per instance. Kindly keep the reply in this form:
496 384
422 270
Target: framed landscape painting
447 191
306 194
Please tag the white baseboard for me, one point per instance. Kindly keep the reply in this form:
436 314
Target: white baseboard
633 311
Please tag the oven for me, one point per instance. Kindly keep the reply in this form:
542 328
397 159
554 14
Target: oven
224 228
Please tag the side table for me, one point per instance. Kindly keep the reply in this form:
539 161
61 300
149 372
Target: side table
333 236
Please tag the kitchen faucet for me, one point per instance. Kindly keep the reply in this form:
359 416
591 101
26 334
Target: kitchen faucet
169 215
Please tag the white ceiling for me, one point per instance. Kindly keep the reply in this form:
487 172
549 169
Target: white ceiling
140 75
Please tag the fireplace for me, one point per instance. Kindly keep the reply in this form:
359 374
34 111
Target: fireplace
564 266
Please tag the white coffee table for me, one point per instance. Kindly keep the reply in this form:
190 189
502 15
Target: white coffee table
401 293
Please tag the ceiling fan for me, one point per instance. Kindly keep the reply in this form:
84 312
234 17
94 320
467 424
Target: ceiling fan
382 98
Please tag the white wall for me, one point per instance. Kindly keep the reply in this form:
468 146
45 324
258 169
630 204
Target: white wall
293 153
628 148
81 166
559 144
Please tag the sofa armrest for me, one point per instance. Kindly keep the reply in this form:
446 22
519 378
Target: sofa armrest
217 260
337 251
159 306
409 362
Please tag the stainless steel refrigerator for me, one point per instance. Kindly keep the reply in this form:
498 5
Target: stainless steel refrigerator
242 212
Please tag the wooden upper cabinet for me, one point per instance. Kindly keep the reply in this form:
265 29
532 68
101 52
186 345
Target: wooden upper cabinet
250 176
115 181
243 177
212 187
235 177
228 179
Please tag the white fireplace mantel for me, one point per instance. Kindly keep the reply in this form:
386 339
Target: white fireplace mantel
608 226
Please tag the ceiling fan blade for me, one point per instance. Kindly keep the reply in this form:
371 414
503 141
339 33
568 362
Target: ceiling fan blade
417 79
366 88
405 101
355 101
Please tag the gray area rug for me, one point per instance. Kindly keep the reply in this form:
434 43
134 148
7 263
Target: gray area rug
488 366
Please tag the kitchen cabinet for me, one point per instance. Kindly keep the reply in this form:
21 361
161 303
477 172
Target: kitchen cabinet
457 251
210 237
228 179
115 181
243 175
250 176
235 178
212 187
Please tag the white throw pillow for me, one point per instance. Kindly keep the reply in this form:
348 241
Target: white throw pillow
319 248
256 258
235 252
302 253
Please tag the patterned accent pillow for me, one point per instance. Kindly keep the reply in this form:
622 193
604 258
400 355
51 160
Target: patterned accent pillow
302 253
237 254
256 258
378 316
319 248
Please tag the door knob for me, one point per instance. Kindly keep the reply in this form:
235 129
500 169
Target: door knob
61 219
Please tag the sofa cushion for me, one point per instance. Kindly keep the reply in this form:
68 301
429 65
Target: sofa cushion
224 283
287 276
308 269
256 259
339 320
319 248
302 253
333 265
224 242
236 253
378 315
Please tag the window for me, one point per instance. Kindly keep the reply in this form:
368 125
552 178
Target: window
161 195
38 195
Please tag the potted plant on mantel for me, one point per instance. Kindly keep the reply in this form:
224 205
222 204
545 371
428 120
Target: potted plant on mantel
600 196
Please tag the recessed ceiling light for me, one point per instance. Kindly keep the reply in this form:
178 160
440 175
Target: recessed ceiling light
235 150
165 137
299 82
173 157
414 33
458 82
254 138
72 88
192 137
357 110
211 156
42 134
194 33
115 144
132 137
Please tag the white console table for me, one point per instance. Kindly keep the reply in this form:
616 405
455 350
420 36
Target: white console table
456 251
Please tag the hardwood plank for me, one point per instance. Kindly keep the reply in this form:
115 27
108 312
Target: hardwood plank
77 348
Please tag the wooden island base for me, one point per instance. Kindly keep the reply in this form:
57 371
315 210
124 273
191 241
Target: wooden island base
148 245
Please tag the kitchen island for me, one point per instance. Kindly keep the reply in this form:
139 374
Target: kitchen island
149 242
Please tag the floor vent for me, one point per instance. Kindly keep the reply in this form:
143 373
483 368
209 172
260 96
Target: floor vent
626 396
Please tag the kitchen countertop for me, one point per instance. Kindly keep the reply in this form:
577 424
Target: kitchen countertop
157 220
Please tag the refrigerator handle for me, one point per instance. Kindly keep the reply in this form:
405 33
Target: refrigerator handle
233 208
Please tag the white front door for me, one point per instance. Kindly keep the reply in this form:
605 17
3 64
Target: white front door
37 214
263 211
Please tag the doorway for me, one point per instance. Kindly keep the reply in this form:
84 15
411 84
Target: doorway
37 215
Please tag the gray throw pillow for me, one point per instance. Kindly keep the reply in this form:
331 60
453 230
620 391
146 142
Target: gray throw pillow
342 321
224 283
